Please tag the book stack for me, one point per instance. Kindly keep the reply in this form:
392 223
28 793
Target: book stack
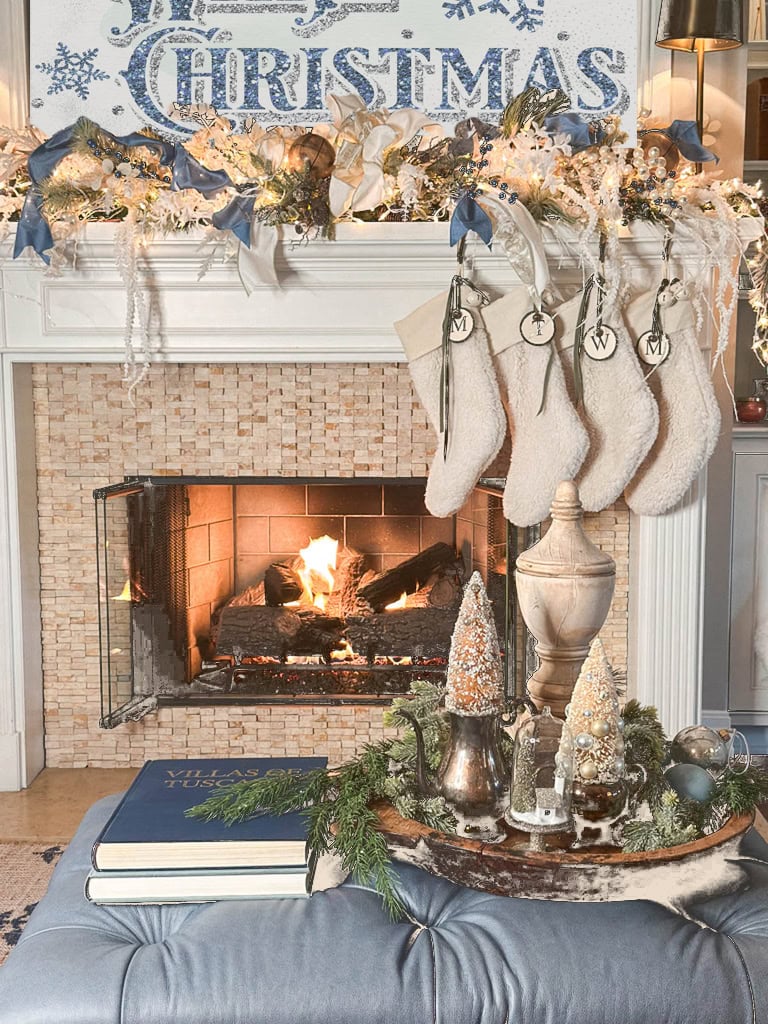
150 852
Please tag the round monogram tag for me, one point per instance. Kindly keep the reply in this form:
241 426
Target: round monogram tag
652 348
600 343
537 327
462 324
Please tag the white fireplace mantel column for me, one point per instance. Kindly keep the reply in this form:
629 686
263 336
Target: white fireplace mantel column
337 304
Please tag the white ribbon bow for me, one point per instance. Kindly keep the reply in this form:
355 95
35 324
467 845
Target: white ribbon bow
363 138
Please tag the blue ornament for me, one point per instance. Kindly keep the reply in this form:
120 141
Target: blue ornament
690 782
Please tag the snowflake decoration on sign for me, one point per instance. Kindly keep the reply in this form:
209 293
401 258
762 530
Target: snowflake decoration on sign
70 71
529 14
460 9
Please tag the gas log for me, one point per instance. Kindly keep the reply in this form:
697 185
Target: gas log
282 584
407 577
257 631
417 632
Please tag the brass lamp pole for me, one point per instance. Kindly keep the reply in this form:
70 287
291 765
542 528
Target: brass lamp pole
698 26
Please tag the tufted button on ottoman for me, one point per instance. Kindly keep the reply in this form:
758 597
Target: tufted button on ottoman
460 957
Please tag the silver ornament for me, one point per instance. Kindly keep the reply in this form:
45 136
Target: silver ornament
584 741
700 745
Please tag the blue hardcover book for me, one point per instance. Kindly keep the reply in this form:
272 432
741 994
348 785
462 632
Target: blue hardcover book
149 829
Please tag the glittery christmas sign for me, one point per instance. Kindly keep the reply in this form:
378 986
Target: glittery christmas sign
124 63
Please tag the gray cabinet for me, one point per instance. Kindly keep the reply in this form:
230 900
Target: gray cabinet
748 668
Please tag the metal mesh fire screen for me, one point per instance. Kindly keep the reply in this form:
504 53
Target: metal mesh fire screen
252 590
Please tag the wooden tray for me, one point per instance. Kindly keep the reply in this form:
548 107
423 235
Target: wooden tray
600 873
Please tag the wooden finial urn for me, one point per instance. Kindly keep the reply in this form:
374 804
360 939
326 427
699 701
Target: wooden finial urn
564 589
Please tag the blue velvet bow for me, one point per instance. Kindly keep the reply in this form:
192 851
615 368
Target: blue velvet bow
190 173
468 216
581 134
236 215
33 228
685 135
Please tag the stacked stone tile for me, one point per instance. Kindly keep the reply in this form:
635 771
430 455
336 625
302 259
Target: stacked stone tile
227 419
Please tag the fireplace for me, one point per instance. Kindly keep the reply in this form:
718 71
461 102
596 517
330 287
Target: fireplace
248 590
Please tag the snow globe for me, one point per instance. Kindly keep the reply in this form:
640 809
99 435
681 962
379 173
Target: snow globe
542 776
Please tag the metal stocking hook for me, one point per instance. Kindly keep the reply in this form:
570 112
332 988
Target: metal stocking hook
653 347
458 325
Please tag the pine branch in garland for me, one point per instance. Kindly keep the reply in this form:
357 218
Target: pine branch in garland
63 199
297 197
532 106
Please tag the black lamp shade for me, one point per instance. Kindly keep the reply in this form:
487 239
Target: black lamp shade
713 24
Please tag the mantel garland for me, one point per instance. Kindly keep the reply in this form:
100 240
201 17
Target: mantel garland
541 165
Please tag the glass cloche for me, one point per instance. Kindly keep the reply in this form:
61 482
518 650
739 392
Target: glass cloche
542 776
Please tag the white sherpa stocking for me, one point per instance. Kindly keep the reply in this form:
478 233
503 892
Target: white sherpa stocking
548 445
476 423
617 409
689 414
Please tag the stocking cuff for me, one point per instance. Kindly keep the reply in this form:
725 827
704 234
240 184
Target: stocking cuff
502 319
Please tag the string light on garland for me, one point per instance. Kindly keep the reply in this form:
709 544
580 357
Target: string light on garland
563 170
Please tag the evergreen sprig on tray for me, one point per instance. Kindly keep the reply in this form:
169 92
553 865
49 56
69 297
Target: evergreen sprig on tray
674 820
337 801
666 828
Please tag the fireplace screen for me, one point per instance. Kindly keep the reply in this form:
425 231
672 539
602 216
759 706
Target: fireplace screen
242 590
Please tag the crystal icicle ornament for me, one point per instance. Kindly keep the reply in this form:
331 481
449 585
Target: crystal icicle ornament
475 681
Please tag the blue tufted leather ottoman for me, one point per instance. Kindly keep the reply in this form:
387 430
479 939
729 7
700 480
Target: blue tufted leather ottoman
462 957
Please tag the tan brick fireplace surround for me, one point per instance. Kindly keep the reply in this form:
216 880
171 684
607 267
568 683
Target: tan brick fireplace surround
284 420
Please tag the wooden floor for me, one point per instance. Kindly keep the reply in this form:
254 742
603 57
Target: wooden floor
51 808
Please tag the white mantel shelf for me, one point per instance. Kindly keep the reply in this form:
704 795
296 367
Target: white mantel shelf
338 299
338 303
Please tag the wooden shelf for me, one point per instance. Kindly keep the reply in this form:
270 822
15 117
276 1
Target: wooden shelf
757 55
754 169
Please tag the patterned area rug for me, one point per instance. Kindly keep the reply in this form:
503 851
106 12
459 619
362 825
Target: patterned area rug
25 870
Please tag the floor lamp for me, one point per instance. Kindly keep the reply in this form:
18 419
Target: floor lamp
698 26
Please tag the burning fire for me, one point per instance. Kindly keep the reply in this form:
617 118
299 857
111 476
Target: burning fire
344 653
402 602
125 593
317 573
